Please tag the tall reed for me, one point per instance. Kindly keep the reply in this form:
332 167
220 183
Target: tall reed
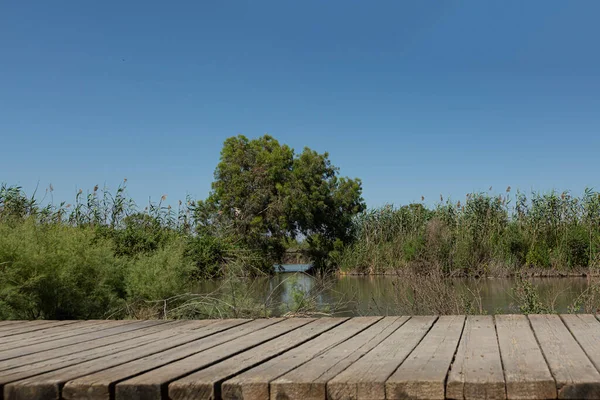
484 234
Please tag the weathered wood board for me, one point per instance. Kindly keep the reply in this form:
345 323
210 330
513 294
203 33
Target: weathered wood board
419 357
476 372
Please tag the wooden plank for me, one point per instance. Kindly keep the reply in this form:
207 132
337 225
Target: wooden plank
586 330
48 329
49 385
30 327
100 385
476 372
574 373
254 383
309 381
525 371
69 355
152 384
93 339
34 323
47 333
80 330
423 374
10 322
365 379
205 384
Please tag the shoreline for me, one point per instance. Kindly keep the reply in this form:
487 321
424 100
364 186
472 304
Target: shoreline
523 274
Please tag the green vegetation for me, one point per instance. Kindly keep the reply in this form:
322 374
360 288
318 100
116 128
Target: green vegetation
264 196
487 235
102 256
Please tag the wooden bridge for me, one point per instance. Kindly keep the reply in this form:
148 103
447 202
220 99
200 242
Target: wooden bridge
456 357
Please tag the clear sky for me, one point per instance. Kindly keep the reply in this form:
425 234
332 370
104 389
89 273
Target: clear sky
416 98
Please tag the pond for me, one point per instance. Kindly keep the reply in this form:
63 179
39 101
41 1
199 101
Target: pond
379 295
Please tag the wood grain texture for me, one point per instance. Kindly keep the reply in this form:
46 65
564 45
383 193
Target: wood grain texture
476 372
127 339
72 361
151 385
10 322
365 379
58 333
33 326
575 375
586 330
47 332
205 384
455 357
94 339
23 324
423 374
254 384
54 381
100 385
309 381
525 371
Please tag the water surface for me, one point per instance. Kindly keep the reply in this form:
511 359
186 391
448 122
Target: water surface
379 295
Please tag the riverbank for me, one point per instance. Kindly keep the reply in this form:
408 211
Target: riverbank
524 273
484 235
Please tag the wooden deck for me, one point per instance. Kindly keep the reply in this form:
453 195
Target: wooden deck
457 357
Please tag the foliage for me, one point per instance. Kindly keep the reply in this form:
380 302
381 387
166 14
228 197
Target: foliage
506 234
263 195
141 234
588 301
53 271
528 299
103 255
416 293
160 275
208 254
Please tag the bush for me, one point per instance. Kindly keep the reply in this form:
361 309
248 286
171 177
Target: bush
142 234
439 243
578 247
160 275
412 248
538 255
515 246
53 271
528 298
207 253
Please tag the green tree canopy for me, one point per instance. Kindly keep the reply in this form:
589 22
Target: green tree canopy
264 194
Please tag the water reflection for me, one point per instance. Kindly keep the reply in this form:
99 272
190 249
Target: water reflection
378 295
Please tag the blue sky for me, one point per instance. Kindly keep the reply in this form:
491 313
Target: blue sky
416 98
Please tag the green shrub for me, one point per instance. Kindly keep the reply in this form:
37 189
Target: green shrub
538 255
464 258
440 242
578 247
528 299
413 247
53 271
515 246
208 254
142 233
160 275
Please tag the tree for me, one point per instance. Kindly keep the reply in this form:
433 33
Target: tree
264 194
323 206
